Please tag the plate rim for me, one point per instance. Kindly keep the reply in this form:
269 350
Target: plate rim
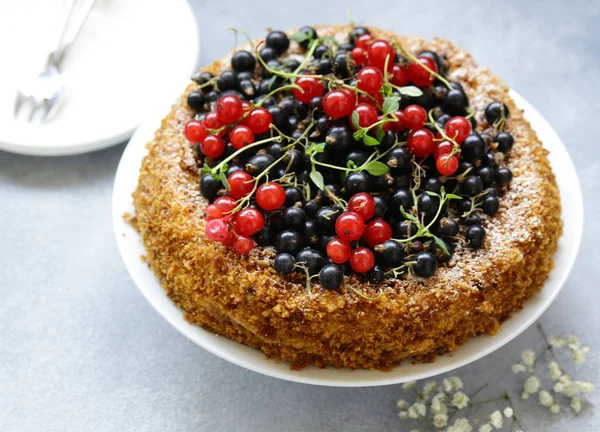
71 148
266 366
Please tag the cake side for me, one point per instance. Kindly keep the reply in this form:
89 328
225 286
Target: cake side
243 298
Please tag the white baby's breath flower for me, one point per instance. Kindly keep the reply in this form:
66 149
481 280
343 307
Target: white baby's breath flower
429 387
578 356
402 404
486 427
555 409
437 404
496 419
440 420
566 386
545 399
409 385
584 387
554 370
524 395
532 384
417 410
460 400
403 415
576 405
518 368
508 412
573 342
452 384
460 425
528 357
557 342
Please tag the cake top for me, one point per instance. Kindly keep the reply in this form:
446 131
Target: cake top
348 155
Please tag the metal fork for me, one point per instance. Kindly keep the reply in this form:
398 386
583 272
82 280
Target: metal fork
42 92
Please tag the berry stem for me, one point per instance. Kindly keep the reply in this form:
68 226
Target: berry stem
416 60
217 168
277 90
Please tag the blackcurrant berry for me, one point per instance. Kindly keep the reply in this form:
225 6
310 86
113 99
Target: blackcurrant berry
474 236
405 229
311 234
376 274
473 219
210 186
340 137
311 34
326 218
322 66
292 196
400 198
448 227
473 148
267 54
294 218
196 100
428 206
380 205
227 81
259 163
389 253
455 102
202 78
503 176
321 51
278 41
312 259
505 141
472 186
432 184
331 276
490 205
280 117
359 157
357 182
357 32
312 207
439 252
487 175
243 61
288 242
343 65
248 89
493 112
265 236
284 263
398 160
425 265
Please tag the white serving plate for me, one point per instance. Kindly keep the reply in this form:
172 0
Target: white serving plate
131 248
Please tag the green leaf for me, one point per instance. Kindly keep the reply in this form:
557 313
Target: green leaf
391 104
379 133
355 120
453 196
410 91
205 169
223 179
317 179
300 37
370 141
431 193
315 148
408 215
359 134
351 164
376 168
441 245
386 89
224 168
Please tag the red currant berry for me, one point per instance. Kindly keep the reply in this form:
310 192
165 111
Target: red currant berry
212 146
384 126
359 55
226 203
213 211
352 96
364 41
398 126
458 128
443 148
415 117
249 221
446 164
241 136
240 183
243 244
339 250
195 131
363 204
420 142
259 120
379 51
246 105
311 87
349 226
217 230
228 241
377 232
362 260
337 103
229 108
399 75
367 115
419 75
270 196
212 122
369 79
375 100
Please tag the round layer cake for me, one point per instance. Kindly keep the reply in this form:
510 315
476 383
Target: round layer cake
369 321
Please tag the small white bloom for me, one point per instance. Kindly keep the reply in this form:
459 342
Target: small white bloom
452 384
576 405
532 384
414 430
528 357
557 342
460 425
403 415
518 368
545 399
437 404
554 370
508 412
496 419
440 420
524 395
402 404
555 409
417 410
573 342
460 400
486 427
429 387
578 356
409 385
558 387
584 387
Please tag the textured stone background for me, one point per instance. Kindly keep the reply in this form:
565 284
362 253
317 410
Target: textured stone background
80 349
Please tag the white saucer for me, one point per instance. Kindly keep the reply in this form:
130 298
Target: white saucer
131 248
129 60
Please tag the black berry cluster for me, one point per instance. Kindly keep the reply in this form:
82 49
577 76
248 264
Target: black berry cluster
356 158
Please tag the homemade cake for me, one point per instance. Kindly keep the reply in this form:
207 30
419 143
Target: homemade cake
346 196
